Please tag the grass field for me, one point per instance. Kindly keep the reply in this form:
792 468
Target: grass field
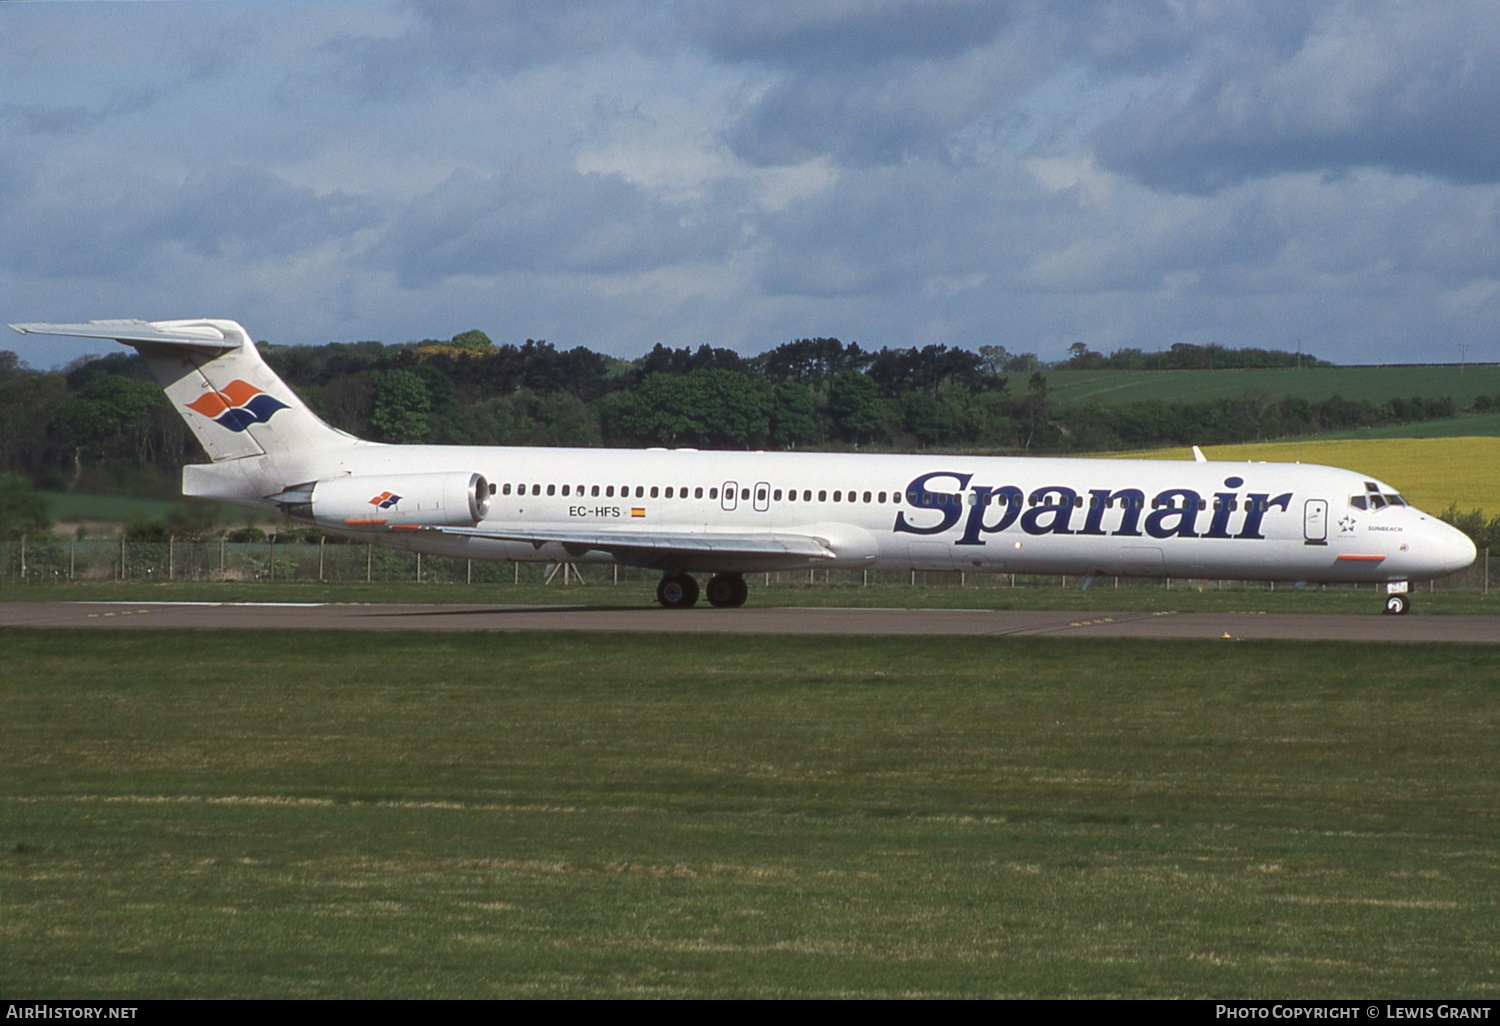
1433 473
980 593
570 815
1377 384
1485 425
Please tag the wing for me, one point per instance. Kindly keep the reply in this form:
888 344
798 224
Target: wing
659 546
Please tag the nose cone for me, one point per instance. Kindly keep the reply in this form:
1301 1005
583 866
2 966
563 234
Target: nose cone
1452 550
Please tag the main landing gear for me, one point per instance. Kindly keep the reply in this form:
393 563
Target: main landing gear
680 591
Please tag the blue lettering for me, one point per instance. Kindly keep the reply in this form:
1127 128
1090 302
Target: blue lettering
1132 499
1258 504
1060 508
1010 507
918 495
1180 504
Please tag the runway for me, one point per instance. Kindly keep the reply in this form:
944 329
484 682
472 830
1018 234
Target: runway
750 620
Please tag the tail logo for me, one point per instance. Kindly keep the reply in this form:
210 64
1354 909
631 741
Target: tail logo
385 500
238 405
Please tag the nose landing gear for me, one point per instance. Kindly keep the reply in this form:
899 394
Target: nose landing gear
1396 605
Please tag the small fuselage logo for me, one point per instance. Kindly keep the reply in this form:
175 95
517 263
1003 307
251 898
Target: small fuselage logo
385 500
237 405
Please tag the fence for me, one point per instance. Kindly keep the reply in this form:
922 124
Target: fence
311 558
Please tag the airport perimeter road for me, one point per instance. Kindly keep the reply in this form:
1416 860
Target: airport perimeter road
273 617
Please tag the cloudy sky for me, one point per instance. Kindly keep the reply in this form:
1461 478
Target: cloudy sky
614 174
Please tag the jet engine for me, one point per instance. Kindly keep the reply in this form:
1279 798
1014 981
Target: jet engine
454 499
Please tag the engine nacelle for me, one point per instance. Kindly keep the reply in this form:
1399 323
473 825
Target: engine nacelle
454 499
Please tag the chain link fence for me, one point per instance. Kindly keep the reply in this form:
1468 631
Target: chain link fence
312 558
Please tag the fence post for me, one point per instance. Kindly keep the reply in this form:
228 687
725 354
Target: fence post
73 544
23 557
122 555
369 562
321 540
419 568
272 539
171 551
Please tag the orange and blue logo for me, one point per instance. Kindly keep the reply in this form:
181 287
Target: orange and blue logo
238 405
385 500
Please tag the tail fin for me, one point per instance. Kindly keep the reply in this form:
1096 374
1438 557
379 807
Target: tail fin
231 400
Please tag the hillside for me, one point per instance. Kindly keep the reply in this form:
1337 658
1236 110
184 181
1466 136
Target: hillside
1376 384
1432 473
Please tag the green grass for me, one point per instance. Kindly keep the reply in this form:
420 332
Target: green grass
72 506
1076 388
1482 424
601 816
981 592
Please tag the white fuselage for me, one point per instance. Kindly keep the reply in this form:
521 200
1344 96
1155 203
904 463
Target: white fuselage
1251 521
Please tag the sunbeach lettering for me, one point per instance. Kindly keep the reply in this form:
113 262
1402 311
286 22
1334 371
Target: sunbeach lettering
1057 509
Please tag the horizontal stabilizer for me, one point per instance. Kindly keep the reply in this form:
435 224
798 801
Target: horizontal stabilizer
191 334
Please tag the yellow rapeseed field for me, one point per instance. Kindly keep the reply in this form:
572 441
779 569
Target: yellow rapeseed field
1432 473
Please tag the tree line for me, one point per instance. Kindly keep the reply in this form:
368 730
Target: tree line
103 425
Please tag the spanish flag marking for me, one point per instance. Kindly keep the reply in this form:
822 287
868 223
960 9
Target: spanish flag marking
637 511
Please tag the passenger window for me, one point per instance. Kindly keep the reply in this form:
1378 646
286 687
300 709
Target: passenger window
713 493
760 495
867 496
744 493
697 493
669 491
776 495
838 496
822 495
807 495
882 497
506 490
640 491
565 489
653 491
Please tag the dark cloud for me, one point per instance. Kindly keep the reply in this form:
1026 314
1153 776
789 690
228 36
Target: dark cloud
98 225
819 34
454 41
1409 88
553 221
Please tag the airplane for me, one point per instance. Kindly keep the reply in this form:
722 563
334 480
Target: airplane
726 514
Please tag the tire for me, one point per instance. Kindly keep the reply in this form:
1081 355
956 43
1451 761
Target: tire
1396 605
727 591
677 591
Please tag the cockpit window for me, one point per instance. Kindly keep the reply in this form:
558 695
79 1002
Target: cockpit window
1374 498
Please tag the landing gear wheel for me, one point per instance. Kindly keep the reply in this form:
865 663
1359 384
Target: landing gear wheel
727 591
1396 605
677 591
